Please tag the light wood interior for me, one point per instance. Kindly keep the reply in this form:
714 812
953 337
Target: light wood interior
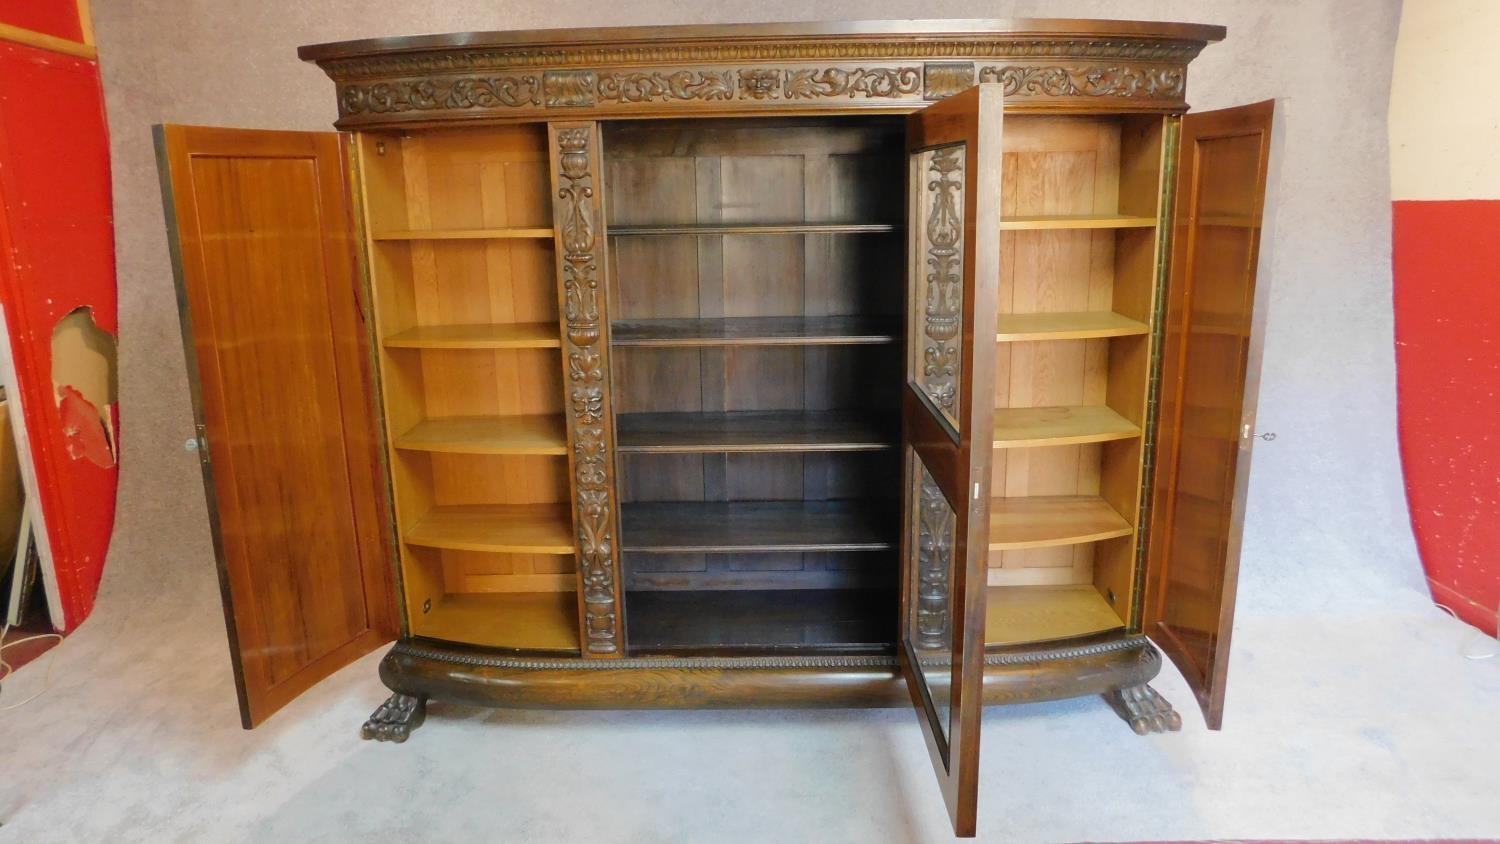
1078 276
462 275
757 284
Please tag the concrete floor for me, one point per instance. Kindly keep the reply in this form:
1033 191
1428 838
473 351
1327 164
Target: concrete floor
1366 725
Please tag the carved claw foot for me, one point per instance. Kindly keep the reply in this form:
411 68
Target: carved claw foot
1144 710
395 719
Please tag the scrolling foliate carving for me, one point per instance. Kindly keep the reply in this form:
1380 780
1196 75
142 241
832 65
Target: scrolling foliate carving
1087 81
935 529
943 314
682 85
887 82
440 94
577 214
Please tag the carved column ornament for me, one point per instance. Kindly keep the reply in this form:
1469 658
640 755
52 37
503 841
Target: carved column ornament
577 216
936 524
943 280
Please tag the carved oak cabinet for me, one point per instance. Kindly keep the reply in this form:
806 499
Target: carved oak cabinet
835 364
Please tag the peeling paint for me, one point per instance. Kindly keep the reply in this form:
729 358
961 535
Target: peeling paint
85 386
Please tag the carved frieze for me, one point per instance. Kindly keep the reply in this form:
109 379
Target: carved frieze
1087 81
886 82
576 213
657 86
445 94
569 88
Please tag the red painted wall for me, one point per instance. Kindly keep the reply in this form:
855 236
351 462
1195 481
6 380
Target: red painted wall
57 239
1447 296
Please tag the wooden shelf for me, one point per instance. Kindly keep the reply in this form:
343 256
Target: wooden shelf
781 619
1078 325
750 431
726 527
1041 426
755 331
1017 614
502 528
1043 521
1075 221
756 228
514 233
531 434
544 621
519 335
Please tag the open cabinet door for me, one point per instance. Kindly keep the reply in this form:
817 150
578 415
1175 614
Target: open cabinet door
267 278
1210 364
953 159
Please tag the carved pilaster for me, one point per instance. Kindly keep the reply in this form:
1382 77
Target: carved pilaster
577 203
936 523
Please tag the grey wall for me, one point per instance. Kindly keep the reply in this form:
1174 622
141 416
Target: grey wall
1328 527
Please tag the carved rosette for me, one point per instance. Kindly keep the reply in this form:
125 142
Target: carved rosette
943 281
936 523
580 256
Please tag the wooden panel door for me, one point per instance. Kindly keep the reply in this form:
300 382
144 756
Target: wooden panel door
1210 363
264 251
953 153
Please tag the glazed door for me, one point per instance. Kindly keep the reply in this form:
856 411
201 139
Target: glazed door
263 246
1210 368
953 159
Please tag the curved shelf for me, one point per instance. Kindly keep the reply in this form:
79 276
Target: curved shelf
509 233
1075 325
1075 221
1024 427
531 434
1046 521
518 335
500 528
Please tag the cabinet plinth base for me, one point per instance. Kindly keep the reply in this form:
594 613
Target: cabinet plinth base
1144 709
1104 664
396 718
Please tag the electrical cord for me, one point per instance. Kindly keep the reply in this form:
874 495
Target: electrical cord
6 670
1466 650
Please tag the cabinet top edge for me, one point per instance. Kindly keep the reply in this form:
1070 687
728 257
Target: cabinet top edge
746 33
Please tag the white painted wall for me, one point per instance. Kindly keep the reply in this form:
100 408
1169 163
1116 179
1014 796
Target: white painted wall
1327 529
1444 113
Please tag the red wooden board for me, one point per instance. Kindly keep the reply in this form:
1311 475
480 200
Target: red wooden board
49 17
1447 296
57 236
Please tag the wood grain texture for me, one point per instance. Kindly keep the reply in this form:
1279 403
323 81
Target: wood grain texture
1044 521
756 331
510 528
1012 674
1022 427
716 527
531 434
704 229
264 238
1067 325
1034 614
535 233
523 335
520 621
1204 454
802 620
1039 222
750 431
